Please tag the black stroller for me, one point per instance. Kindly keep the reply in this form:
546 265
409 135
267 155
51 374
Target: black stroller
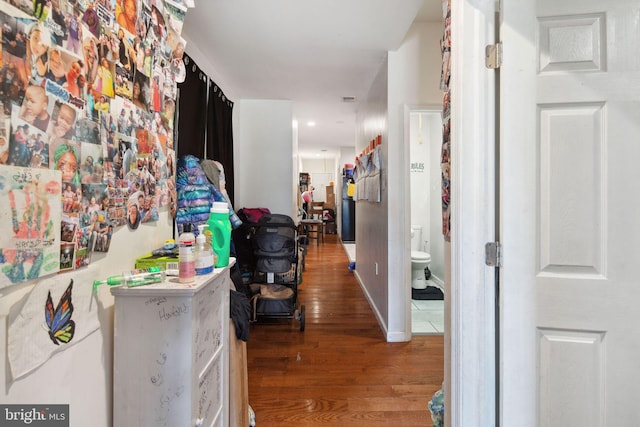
276 276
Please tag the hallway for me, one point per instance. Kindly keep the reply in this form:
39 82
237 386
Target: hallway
340 371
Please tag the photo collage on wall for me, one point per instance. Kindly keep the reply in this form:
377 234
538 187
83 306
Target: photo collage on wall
88 88
445 159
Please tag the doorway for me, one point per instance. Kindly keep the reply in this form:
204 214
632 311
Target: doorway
425 141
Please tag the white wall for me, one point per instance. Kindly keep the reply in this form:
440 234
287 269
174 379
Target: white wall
347 155
371 218
81 375
414 76
263 155
409 77
322 172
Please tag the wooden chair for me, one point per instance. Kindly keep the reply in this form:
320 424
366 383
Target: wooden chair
313 229
313 224
316 210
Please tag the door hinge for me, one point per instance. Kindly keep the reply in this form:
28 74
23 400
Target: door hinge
493 56
493 254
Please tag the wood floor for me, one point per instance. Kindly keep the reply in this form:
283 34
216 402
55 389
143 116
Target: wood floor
340 371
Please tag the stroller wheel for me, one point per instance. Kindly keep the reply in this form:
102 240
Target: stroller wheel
302 318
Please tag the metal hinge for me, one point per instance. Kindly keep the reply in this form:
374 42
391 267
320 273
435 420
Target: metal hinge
493 56
493 254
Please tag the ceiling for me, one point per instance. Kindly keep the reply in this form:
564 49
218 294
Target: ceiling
312 53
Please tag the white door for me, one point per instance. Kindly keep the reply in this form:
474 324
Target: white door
570 213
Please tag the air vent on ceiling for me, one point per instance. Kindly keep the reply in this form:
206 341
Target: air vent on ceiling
348 99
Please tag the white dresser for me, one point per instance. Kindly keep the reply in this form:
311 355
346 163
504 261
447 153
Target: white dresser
171 355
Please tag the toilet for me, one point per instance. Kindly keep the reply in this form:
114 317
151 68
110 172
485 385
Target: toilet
419 259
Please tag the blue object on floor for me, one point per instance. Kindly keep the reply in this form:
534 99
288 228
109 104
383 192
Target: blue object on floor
352 266
436 407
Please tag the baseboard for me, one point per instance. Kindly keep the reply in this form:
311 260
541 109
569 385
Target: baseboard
438 282
374 308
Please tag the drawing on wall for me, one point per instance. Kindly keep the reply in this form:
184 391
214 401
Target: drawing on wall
61 327
30 342
30 218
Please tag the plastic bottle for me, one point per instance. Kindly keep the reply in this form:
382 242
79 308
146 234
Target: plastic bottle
220 227
209 241
204 252
186 256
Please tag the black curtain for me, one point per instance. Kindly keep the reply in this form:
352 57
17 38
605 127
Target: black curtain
204 121
220 133
191 111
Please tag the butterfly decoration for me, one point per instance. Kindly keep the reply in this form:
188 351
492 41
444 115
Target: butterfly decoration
61 327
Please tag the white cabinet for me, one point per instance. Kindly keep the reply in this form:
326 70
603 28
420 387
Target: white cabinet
171 356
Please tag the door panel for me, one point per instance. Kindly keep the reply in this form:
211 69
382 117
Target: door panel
575 246
569 354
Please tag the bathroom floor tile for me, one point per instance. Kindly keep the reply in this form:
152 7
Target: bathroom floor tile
428 305
427 317
426 322
438 325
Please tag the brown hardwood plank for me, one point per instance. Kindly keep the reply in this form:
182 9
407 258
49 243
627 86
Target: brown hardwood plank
340 371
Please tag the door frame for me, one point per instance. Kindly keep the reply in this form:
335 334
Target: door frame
470 307
406 154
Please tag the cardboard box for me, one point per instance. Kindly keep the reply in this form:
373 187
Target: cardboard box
164 262
330 199
331 195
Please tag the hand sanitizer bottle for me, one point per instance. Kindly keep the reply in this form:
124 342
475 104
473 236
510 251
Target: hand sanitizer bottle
204 253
